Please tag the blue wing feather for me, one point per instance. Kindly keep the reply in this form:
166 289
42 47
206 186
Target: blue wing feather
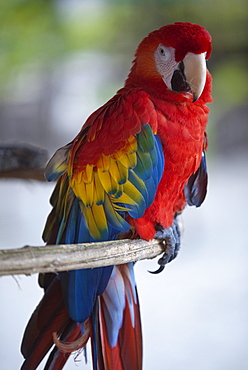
81 287
196 189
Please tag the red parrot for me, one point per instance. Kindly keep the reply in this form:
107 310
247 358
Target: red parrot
135 164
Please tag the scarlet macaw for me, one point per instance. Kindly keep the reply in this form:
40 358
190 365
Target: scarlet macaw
129 172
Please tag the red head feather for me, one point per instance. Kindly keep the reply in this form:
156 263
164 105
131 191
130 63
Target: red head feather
183 37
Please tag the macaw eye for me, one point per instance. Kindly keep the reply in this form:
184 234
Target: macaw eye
162 51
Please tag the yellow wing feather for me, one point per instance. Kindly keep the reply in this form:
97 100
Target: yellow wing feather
118 171
96 220
104 190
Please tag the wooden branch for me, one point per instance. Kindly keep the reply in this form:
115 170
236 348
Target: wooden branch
35 174
53 258
22 161
28 162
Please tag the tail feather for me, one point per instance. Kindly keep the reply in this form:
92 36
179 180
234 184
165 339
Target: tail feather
130 340
50 316
126 352
114 327
58 358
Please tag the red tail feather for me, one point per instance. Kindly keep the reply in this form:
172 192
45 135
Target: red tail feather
50 316
127 354
51 319
62 352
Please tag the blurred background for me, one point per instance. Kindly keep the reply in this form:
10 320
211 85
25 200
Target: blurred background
59 61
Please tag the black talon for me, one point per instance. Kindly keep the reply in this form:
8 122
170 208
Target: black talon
160 269
171 236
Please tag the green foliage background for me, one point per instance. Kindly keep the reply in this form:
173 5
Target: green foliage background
43 33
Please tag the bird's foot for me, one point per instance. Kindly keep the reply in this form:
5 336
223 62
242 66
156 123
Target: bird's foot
171 239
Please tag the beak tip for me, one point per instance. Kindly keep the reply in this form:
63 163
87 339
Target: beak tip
195 97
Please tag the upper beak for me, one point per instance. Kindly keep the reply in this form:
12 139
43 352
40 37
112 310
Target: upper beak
195 71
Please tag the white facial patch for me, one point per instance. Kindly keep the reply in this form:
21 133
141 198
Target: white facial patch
165 63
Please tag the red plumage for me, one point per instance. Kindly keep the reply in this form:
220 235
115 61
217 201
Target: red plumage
129 172
181 128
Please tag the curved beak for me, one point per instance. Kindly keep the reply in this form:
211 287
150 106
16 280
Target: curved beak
195 71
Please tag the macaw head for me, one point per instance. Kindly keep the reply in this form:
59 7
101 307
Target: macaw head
173 60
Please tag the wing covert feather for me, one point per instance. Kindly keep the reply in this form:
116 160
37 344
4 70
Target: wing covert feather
123 169
103 179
